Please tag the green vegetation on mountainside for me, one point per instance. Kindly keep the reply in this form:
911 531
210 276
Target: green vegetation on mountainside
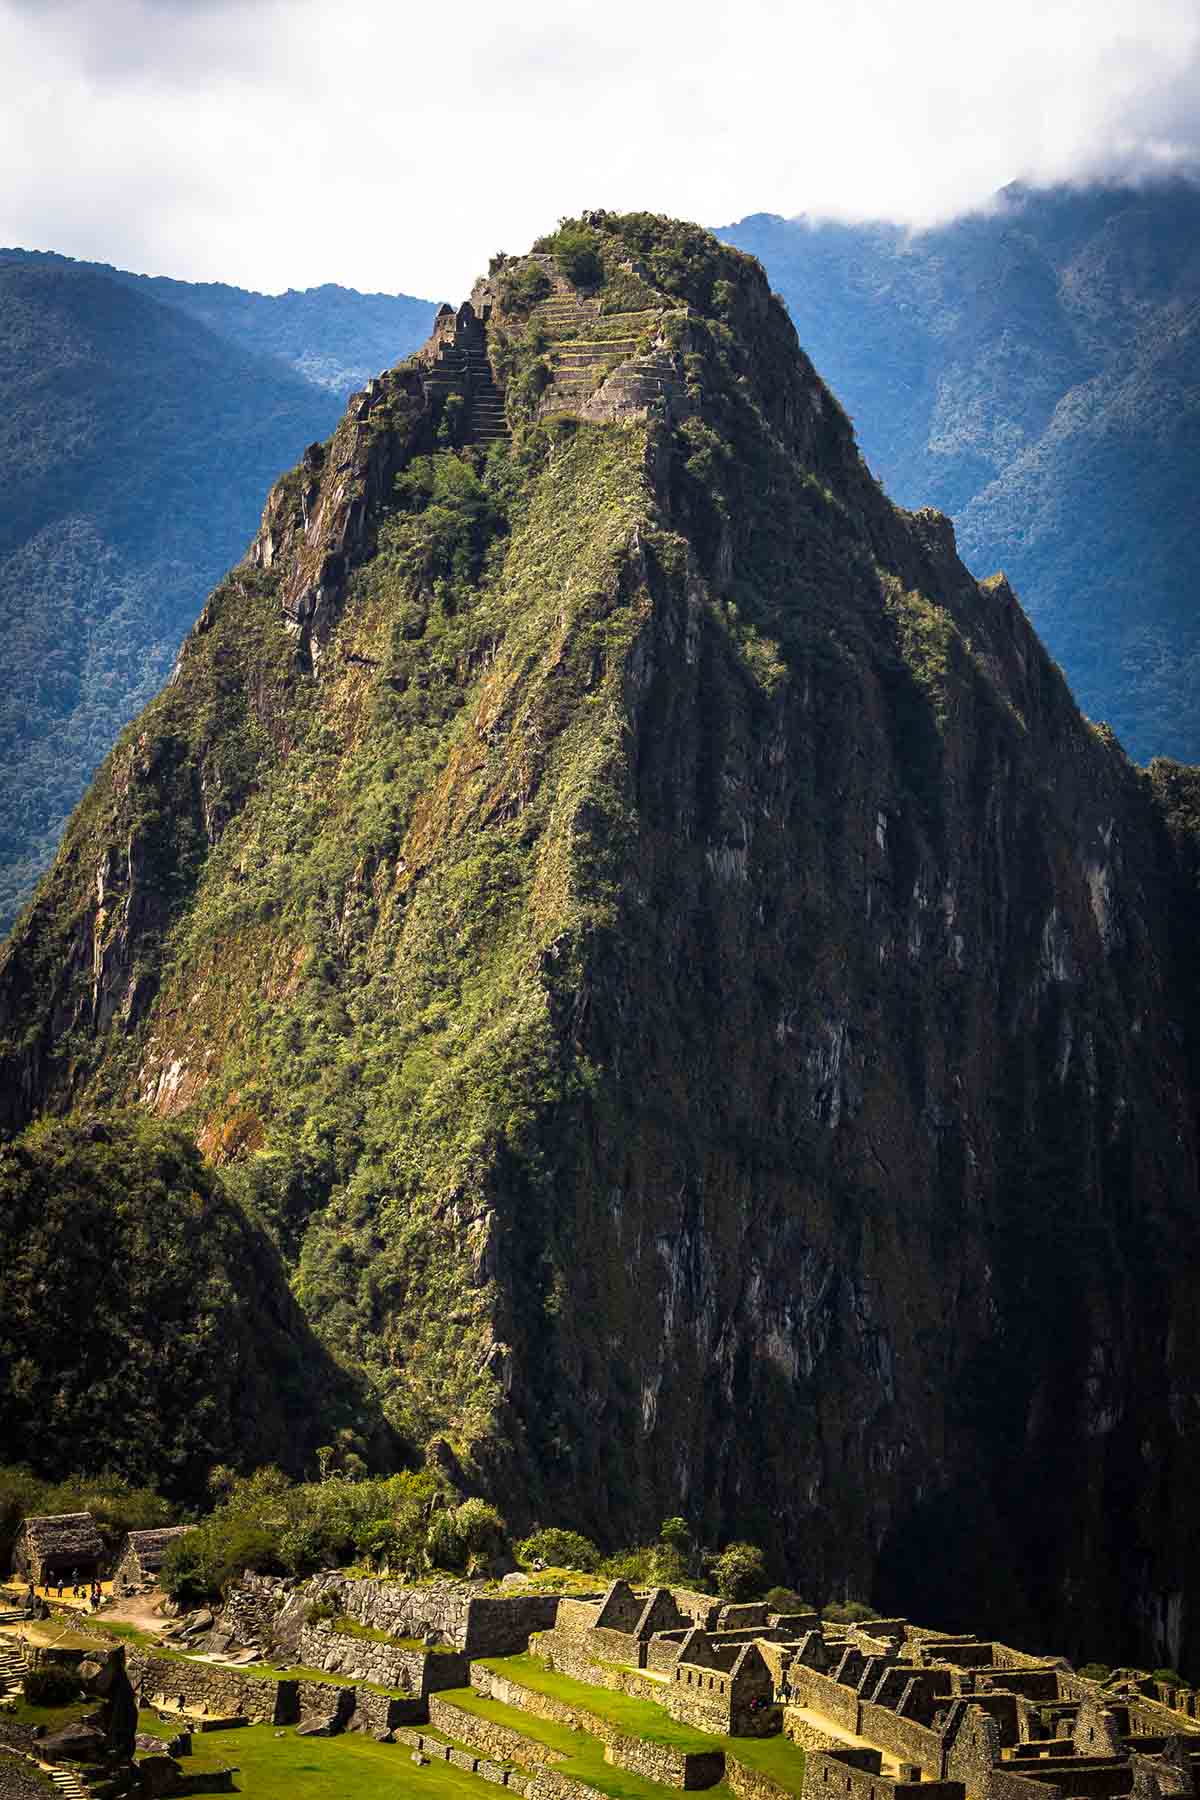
652 942
145 1325
140 425
1034 370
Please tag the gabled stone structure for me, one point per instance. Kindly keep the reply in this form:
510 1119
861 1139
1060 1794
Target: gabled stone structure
725 1688
141 1557
54 1546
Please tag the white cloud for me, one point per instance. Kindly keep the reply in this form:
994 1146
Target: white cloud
288 142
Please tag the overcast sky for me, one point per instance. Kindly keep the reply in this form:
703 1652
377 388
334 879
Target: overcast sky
278 143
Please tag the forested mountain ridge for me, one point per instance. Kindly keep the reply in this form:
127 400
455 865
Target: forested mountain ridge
1034 370
332 336
135 444
709 1026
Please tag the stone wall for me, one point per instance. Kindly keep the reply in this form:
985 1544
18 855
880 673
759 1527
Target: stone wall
904 1738
821 1693
655 1762
480 1624
488 1735
973 1757
218 1690
383 1712
569 1660
322 1697
485 1767
617 1646
752 1784
667 1766
808 1736
252 1606
662 1652
388 1665
548 1784
838 1777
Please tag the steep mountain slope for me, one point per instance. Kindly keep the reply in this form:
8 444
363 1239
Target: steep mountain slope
145 1323
709 1024
1035 372
134 450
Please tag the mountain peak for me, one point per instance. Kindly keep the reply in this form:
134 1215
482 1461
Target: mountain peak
656 944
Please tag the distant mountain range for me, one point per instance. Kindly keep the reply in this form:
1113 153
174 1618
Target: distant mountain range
141 422
1034 371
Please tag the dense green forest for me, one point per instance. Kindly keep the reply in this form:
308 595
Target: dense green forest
1034 370
145 1321
137 443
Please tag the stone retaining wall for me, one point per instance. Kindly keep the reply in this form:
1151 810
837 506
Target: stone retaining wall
807 1735
654 1762
515 1780
383 1712
220 1690
480 1624
251 1607
322 1697
490 1736
569 1660
548 1784
752 1784
420 1672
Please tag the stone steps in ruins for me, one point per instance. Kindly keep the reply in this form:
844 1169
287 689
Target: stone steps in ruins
66 1783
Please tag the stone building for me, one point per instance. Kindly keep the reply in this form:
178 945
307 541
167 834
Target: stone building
141 1557
723 1687
53 1547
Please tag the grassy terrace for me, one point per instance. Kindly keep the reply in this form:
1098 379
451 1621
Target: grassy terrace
584 1753
352 1767
639 1718
775 1757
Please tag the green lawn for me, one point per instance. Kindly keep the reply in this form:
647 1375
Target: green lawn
776 1757
350 1767
584 1753
640 1718
52 1717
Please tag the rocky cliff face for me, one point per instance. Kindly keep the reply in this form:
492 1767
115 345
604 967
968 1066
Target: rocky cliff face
709 1023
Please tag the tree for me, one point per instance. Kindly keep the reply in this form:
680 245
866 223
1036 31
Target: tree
676 1534
740 1572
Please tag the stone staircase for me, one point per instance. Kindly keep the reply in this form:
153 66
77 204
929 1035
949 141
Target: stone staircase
486 419
469 373
12 1667
66 1781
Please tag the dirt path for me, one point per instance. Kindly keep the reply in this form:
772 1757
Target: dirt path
137 1609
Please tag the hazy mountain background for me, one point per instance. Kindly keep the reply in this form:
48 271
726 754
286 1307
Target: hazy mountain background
141 424
1034 371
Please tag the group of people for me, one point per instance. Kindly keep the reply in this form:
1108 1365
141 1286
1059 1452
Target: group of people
74 1584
